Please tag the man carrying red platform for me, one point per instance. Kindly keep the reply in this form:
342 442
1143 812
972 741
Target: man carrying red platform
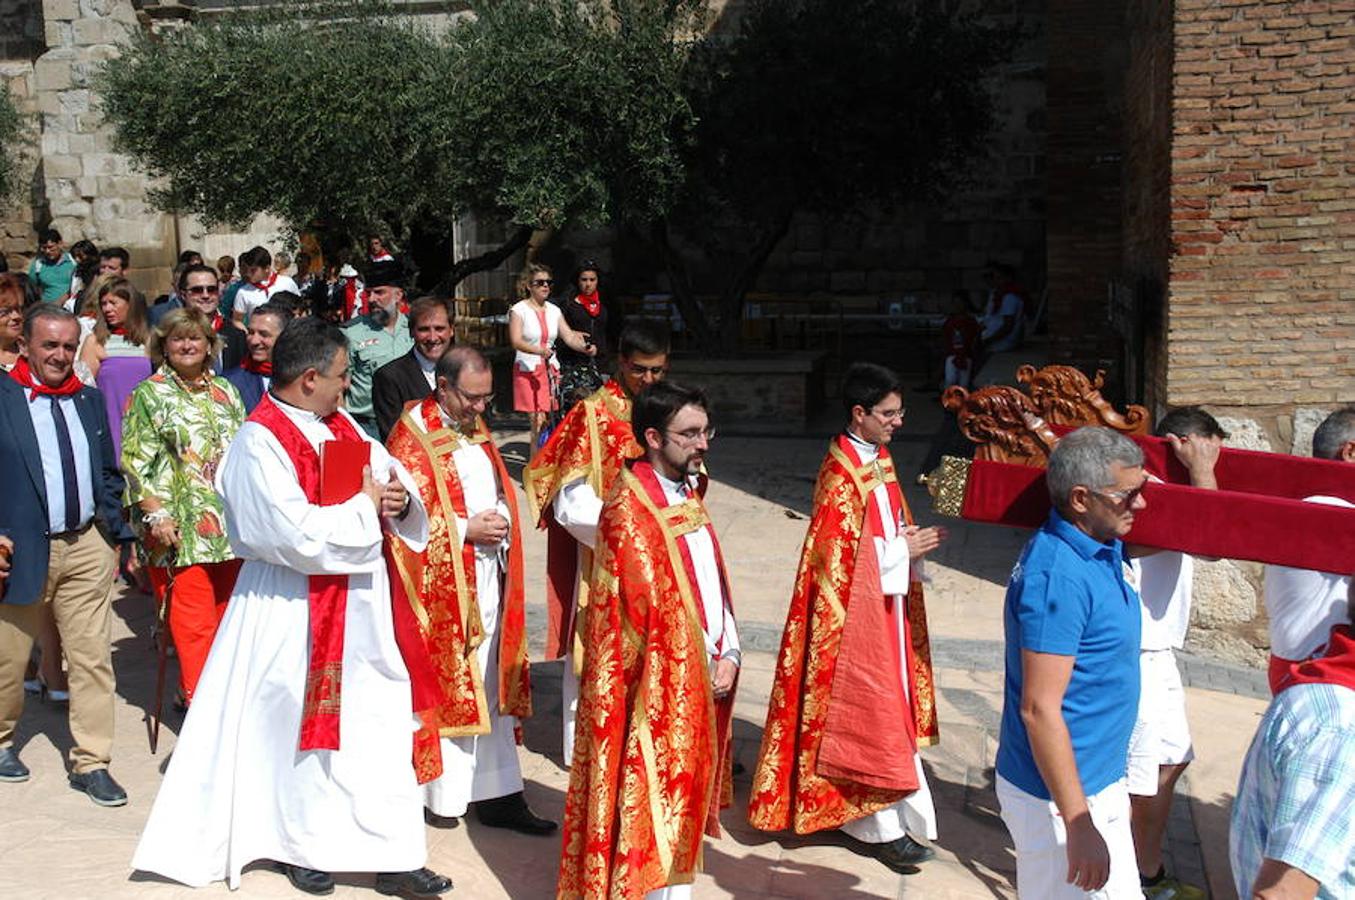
853 697
567 481
652 761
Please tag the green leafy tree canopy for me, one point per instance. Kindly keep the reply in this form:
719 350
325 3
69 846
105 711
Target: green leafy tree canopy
11 144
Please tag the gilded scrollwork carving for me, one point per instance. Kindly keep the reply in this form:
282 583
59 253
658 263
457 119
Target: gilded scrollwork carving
1065 396
994 418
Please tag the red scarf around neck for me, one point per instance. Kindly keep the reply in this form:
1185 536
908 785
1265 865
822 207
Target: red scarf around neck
24 375
591 302
265 285
264 368
120 330
1336 665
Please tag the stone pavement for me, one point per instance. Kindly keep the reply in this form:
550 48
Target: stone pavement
57 844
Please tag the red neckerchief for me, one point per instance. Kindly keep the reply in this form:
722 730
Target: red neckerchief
591 302
327 595
24 375
644 472
265 285
218 322
119 330
1336 665
264 368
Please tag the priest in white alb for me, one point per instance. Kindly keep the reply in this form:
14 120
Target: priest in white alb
302 742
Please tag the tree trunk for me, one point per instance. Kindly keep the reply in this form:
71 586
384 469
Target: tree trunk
743 279
488 260
693 313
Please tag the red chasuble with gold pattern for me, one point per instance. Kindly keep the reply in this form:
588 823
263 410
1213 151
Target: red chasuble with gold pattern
841 734
593 442
652 755
439 583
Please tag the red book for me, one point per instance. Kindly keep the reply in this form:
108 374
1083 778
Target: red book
341 464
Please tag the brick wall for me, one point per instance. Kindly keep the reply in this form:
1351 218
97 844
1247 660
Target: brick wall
1262 265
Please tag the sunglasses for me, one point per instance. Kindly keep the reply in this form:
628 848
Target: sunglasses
203 289
542 282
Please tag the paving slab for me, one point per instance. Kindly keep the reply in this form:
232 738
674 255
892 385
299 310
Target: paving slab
59 845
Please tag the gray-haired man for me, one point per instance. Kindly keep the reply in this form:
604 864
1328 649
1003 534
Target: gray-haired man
1072 683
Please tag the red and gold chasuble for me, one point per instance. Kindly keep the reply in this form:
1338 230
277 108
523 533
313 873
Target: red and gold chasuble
841 734
651 766
439 583
593 442
328 600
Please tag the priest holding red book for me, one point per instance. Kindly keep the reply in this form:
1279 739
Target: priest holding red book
853 698
301 744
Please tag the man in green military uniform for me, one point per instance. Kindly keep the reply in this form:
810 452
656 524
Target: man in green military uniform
374 339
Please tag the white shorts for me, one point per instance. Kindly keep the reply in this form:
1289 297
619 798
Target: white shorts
1161 735
1040 839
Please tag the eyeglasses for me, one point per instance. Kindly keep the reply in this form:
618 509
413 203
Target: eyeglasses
203 289
890 415
642 371
542 282
473 399
691 437
1125 497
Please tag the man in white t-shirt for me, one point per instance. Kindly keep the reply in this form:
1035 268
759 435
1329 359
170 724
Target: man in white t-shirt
1160 746
260 283
1303 605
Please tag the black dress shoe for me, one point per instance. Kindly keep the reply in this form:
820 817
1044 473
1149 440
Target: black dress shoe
419 883
10 767
312 881
100 786
903 855
512 812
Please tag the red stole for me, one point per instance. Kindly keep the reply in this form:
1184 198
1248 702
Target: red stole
854 745
328 594
1336 665
649 480
24 376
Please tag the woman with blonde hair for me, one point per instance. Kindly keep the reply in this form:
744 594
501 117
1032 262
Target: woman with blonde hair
116 354
533 327
174 434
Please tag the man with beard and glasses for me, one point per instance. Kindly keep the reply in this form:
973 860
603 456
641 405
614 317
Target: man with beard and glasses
652 762
374 339
410 377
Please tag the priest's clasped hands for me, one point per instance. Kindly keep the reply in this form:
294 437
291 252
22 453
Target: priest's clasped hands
487 528
922 541
390 499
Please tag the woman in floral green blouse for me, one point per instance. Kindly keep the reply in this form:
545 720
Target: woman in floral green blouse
174 434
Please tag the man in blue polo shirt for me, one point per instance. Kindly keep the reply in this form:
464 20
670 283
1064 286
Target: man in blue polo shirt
1072 678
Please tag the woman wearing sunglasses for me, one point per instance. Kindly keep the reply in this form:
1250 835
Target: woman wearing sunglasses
534 325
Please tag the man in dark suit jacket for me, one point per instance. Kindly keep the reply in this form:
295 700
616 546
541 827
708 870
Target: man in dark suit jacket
410 377
255 372
63 513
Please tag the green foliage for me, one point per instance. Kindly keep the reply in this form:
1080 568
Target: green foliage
11 143
337 121
538 112
829 107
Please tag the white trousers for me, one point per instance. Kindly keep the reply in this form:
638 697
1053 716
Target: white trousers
914 814
1041 842
672 892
